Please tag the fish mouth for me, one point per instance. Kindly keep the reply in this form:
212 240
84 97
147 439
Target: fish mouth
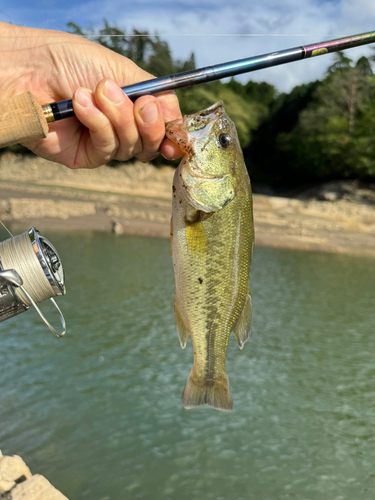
191 127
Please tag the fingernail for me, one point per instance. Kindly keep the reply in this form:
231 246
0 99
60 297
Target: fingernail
149 113
83 97
113 92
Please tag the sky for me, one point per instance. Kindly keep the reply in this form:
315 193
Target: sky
199 26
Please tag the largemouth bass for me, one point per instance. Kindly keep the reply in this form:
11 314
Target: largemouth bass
212 239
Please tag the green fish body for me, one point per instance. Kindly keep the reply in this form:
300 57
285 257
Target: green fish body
212 244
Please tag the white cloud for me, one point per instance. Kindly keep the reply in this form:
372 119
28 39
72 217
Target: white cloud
314 20
358 12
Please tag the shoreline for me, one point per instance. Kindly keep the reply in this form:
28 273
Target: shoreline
136 199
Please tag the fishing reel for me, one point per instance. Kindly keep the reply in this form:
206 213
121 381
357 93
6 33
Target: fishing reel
30 273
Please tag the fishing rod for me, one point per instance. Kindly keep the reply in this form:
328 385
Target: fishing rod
22 118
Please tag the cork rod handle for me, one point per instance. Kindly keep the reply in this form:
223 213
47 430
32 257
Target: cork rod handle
21 119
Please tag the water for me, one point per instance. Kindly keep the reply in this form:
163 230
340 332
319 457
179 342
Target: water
98 412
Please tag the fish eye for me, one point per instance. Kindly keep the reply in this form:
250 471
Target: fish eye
224 140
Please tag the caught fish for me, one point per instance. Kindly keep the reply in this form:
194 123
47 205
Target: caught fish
212 239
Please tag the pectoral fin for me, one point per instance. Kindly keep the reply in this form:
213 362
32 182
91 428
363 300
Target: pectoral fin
242 328
181 329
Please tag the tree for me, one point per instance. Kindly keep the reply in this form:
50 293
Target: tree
330 139
154 55
266 158
246 115
148 51
340 64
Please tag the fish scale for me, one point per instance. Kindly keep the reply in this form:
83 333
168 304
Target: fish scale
212 242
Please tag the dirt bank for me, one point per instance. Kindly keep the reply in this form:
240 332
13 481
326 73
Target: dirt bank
135 199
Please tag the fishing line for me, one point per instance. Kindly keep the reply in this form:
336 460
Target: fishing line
262 35
17 253
204 34
6 229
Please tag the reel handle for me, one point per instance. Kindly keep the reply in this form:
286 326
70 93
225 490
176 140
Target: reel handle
21 119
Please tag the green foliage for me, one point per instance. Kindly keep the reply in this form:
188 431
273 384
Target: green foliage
160 60
364 66
75 29
334 134
341 64
244 103
318 131
253 91
245 114
260 92
148 51
266 157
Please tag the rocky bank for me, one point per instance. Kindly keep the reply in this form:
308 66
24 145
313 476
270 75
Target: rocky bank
136 199
17 482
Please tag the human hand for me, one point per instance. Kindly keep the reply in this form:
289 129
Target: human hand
108 125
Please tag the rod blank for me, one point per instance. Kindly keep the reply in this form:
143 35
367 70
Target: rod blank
64 109
23 119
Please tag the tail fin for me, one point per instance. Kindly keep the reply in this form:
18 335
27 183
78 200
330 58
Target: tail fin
198 392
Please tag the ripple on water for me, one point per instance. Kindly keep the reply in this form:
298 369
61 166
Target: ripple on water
99 412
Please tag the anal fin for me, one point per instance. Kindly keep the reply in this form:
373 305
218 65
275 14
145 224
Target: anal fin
180 325
242 328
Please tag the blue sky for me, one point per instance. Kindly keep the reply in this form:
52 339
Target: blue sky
313 20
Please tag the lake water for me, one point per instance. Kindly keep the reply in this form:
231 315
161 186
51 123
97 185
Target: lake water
98 412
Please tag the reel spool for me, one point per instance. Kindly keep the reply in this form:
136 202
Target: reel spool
30 273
